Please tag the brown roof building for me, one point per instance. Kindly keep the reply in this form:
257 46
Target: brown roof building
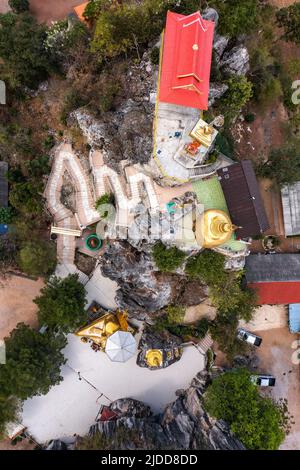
243 199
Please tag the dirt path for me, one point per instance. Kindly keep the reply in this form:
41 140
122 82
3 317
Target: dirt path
4 8
275 354
16 305
47 11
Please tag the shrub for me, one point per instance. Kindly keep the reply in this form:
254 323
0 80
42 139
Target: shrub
25 197
37 258
250 117
257 421
62 304
167 259
19 6
154 55
175 313
237 16
6 215
9 408
289 19
283 165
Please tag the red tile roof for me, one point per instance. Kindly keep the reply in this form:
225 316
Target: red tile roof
186 63
277 292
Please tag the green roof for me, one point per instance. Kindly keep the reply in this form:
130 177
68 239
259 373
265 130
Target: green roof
209 193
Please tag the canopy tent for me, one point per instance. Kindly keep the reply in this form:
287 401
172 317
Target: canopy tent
186 61
120 346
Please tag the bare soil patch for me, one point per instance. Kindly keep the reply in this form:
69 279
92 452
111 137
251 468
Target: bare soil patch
16 303
4 7
275 354
47 11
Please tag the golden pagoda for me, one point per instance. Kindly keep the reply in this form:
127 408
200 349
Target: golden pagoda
101 329
203 133
154 357
213 228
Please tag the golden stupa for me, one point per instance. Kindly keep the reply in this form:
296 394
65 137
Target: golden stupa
213 228
154 357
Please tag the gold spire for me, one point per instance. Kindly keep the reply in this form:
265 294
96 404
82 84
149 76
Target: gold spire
213 228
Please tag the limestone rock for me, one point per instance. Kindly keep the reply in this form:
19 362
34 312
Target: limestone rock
220 44
184 424
236 61
211 14
216 91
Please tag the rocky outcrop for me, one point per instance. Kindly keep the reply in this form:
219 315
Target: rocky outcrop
144 290
236 61
168 345
216 91
184 424
141 289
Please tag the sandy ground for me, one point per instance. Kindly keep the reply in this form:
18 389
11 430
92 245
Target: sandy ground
47 11
16 305
4 8
196 312
275 354
268 317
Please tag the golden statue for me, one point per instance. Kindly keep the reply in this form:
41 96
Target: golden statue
154 357
213 228
101 329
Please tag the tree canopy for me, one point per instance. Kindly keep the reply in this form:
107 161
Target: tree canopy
37 258
62 304
289 19
9 408
283 164
167 259
26 62
236 16
257 421
33 362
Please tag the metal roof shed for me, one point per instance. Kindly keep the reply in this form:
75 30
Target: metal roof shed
294 318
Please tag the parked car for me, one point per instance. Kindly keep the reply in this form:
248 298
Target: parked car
249 337
263 380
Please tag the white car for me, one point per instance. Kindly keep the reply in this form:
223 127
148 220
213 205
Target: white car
249 337
263 380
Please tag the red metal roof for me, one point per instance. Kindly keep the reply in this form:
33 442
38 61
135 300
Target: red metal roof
188 42
277 292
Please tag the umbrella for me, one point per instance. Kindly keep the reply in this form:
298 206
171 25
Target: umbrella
120 346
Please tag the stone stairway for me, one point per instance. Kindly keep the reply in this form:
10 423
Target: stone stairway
205 344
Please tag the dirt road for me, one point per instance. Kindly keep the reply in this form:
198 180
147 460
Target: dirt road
275 354
16 303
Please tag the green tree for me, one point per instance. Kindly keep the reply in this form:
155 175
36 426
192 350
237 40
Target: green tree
33 362
208 267
25 60
257 421
236 97
62 304
237 17
167 259
26 197
289 19
37 258
283 164
9 408
19 6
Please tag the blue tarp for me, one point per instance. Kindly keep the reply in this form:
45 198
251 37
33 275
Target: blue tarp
294 318
3 229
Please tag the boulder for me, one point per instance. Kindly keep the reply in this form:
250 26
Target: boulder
211 14
216 91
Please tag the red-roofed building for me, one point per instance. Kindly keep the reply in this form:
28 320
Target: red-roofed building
274 277
186 61
276 293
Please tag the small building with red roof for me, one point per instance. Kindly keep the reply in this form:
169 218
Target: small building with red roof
274 277
186 60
